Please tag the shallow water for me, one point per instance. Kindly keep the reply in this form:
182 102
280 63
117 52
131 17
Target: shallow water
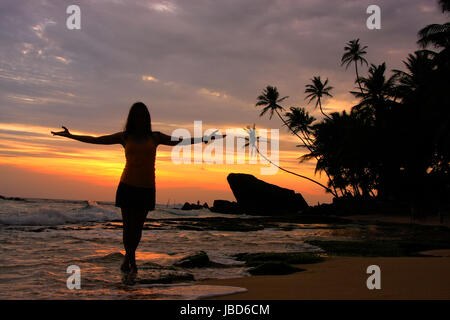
40 238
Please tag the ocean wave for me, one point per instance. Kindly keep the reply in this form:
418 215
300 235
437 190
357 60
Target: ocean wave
189 291
111 257
45 216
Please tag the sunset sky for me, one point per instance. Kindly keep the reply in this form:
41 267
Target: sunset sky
186 60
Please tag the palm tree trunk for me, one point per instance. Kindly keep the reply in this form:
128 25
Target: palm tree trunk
357 77
290 129
296 174
320 107
309 148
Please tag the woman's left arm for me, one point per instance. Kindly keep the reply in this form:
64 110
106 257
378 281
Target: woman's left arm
167 140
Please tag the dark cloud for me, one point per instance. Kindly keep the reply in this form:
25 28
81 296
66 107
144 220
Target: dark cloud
210 58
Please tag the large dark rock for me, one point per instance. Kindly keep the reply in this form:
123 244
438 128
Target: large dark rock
257 197
225 206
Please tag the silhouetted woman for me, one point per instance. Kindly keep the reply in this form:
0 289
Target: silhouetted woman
135 194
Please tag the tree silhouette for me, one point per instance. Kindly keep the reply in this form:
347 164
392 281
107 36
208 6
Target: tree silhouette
353 54
394 145
377 91
341 143
445 5
316 91
270 99
251 142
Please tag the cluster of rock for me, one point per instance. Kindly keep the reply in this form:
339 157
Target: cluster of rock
263 263
12 198
194 206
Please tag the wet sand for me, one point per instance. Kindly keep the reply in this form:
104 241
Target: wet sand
345 278
374 218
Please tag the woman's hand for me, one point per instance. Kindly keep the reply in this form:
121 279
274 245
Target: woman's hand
212 136
64 133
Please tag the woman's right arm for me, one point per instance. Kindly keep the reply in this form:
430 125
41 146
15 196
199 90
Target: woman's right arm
116 138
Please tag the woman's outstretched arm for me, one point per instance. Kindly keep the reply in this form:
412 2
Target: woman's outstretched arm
167 140
116 138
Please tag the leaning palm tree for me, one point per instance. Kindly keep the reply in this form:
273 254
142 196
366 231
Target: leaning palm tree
251 142
354 54
299 121
316 91
270 99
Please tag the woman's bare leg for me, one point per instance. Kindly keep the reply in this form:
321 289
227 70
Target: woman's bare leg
127 233
138 224
133 222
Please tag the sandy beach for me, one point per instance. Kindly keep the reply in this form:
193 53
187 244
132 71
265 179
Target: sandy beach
345 278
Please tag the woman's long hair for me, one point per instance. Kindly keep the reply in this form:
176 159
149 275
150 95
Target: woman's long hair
138 123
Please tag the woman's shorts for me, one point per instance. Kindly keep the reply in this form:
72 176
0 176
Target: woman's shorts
128 196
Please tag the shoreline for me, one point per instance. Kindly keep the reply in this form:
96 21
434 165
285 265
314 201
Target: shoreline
398 219
342 278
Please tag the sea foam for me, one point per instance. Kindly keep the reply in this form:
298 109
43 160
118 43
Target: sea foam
47 216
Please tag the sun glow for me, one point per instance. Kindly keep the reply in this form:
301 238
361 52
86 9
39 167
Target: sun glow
33 148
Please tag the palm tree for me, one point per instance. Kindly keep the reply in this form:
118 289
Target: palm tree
419 72
423 88
270 99
445 5
437 35
299 120
377 91
354 54
251 131
316 91
377 106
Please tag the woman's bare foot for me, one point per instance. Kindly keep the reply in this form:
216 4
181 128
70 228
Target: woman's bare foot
125 267
133 269
130 276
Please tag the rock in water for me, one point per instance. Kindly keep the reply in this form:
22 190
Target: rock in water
197 260
257 197
225 206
